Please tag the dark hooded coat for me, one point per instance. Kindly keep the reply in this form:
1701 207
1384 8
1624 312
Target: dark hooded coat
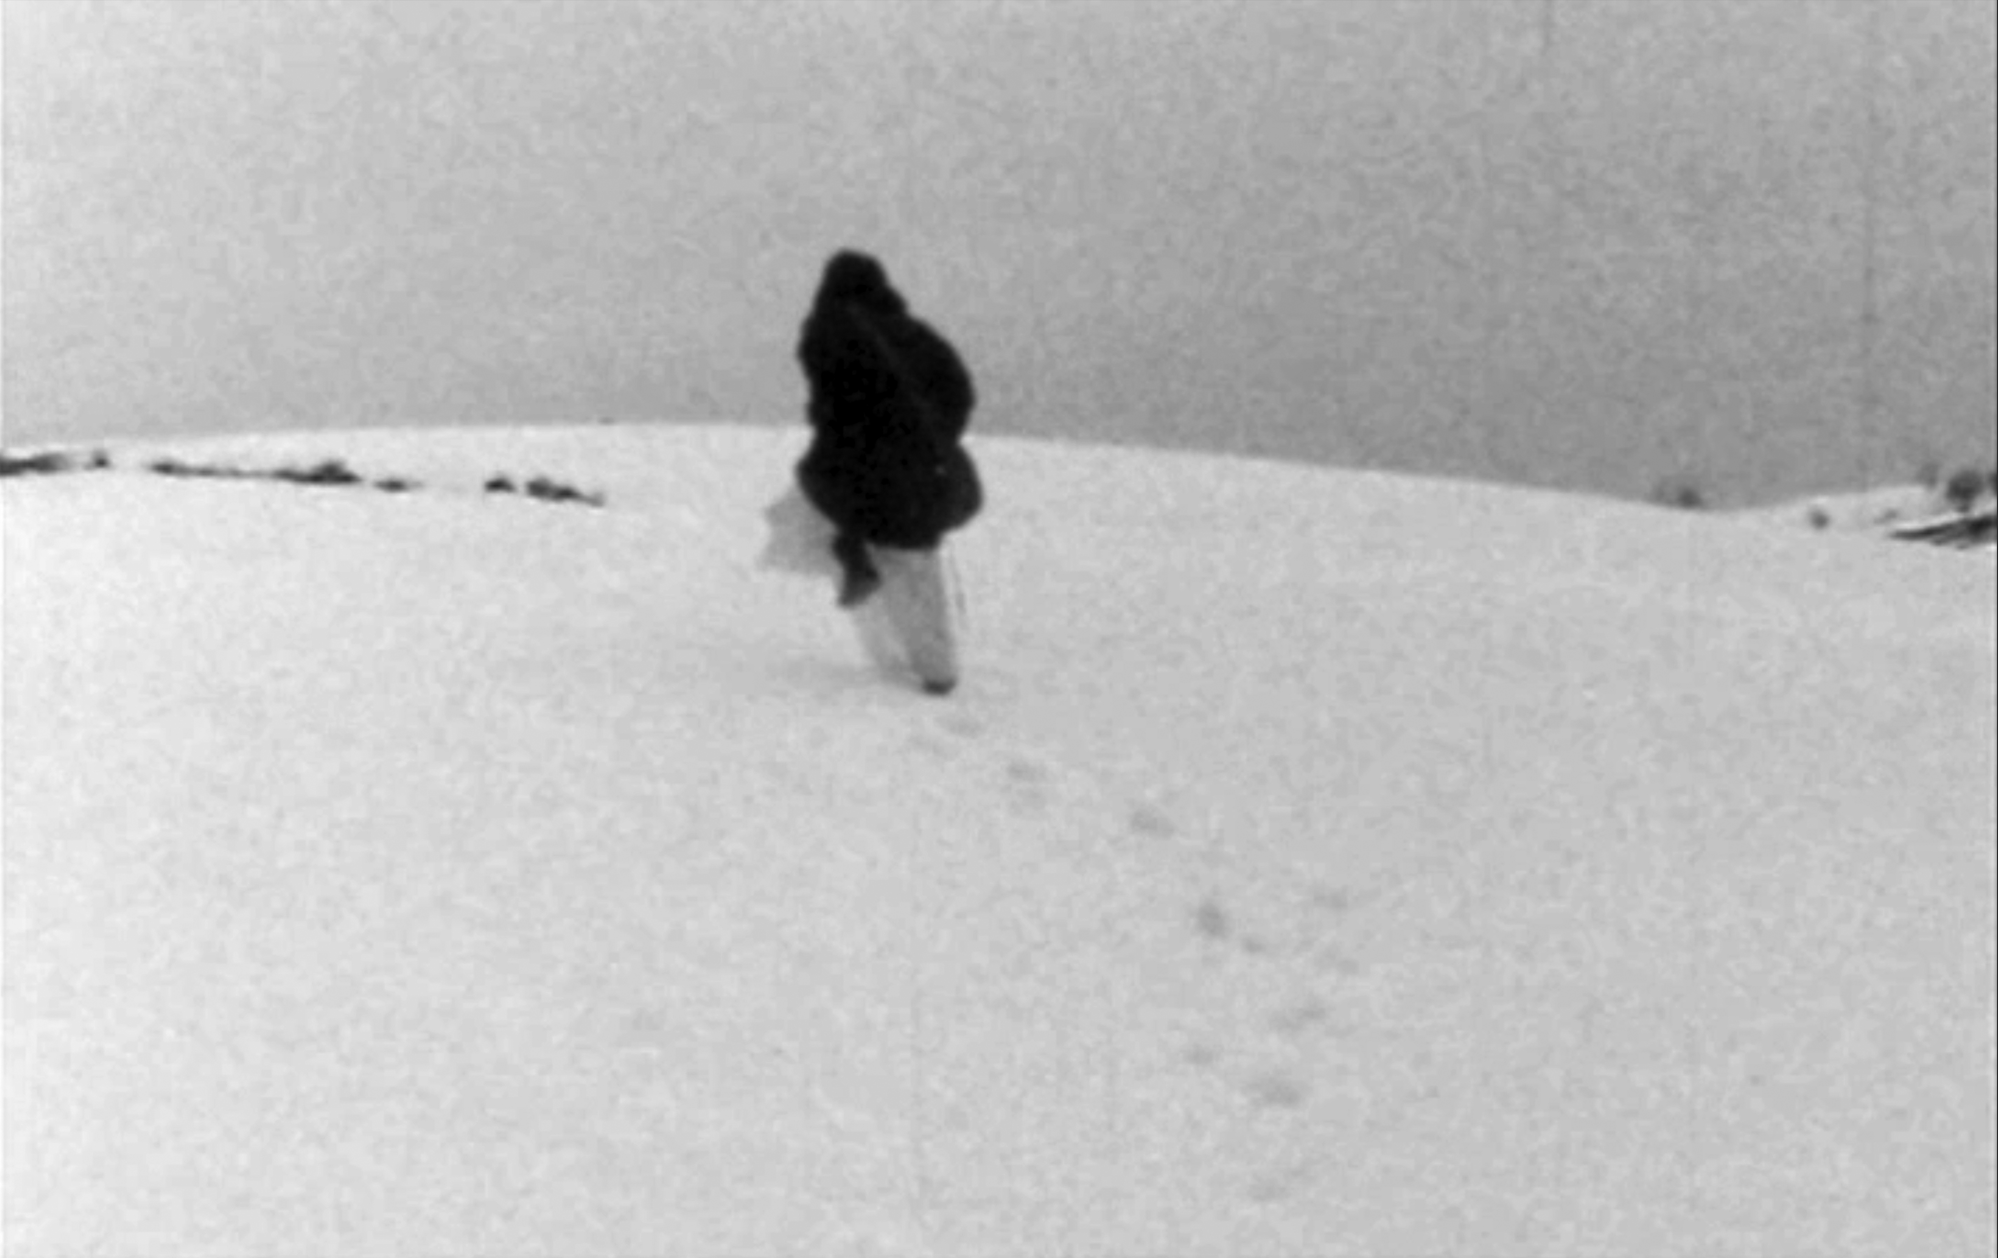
889 403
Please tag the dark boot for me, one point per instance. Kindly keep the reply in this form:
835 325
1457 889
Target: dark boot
860 578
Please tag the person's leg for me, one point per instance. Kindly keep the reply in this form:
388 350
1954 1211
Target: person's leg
916 600
860 578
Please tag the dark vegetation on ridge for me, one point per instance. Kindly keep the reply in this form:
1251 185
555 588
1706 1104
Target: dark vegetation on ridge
543 488
50 462
326 472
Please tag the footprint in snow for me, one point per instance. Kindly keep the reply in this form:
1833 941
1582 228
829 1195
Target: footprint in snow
1293 1020
1277 1185
945 736
1023 770
1151 822
1211 920
1334 961
1275 1090
1026 785
1332 900
963 725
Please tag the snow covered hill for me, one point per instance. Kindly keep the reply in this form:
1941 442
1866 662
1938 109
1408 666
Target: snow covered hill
1311 863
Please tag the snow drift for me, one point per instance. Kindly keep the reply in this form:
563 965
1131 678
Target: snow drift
1311 863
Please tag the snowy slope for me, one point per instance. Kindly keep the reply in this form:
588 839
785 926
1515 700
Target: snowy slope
1311 863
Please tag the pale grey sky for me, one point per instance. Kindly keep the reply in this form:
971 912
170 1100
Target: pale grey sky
1577 243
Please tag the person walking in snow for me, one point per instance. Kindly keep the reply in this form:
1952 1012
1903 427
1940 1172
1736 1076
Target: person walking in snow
890 400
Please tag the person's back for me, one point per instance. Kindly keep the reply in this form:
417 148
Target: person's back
890 400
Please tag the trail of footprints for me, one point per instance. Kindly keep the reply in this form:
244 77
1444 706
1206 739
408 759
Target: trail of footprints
1271 1071
1029 783
1305 1020
1306 1015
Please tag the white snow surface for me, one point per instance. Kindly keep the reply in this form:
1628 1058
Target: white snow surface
1311 863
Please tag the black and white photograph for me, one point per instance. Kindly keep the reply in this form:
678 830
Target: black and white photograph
998 628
